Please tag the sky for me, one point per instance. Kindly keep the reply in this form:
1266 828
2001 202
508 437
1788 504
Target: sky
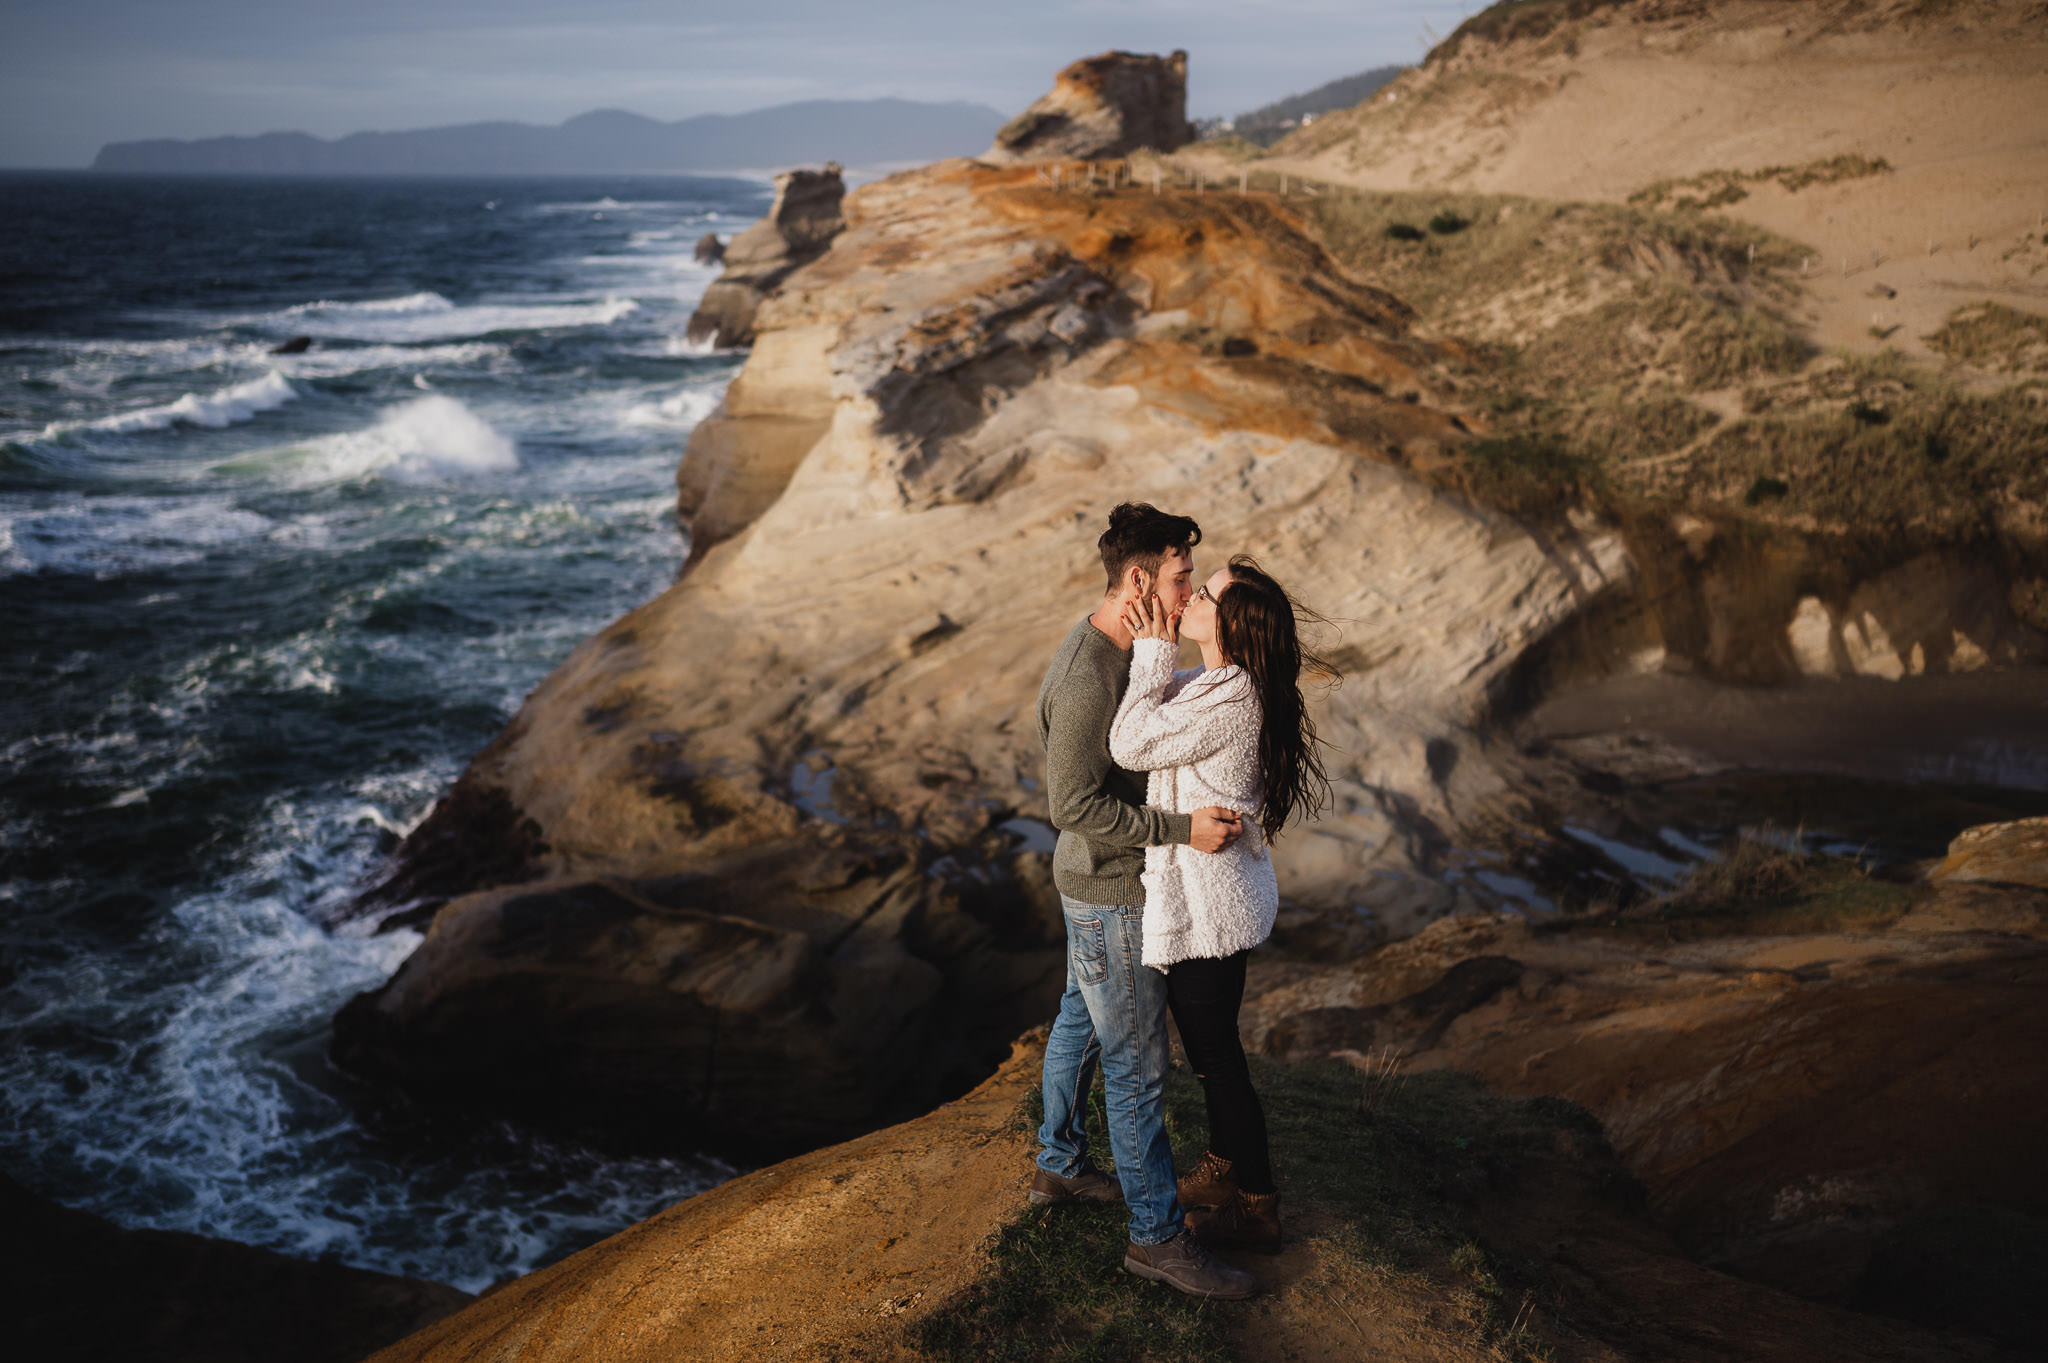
75 74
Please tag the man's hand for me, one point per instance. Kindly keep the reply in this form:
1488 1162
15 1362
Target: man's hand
1213 829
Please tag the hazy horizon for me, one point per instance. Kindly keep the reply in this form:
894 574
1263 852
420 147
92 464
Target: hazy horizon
100 71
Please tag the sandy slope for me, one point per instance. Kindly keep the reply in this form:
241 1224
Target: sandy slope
1954 96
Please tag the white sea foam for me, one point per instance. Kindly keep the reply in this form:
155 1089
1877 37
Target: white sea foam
222 408
680 346
427 439
680 412
112 535
430 317
370 359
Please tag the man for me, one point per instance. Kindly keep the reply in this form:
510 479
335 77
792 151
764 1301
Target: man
1114 1009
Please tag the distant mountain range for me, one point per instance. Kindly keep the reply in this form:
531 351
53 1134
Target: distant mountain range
852 132
1269 124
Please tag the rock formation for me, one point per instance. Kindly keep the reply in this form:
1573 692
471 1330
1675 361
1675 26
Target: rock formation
799 786
845 1252
76 1287
828 719
710 249
800 225
1794 1094
770 1000
1100 107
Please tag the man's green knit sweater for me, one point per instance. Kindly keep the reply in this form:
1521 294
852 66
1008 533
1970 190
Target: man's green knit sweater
1098 807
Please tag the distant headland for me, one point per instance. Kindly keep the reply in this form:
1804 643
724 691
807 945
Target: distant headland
855 132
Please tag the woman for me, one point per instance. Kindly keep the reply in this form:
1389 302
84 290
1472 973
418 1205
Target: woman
1234 733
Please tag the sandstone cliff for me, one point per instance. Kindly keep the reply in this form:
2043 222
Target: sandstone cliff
800 225
826 724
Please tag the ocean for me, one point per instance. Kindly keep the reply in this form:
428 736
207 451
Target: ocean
258 610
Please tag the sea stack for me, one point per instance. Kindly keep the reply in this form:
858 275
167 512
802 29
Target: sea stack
799 226
1110 105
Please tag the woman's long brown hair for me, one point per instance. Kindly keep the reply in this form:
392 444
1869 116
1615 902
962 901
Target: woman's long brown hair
1257 626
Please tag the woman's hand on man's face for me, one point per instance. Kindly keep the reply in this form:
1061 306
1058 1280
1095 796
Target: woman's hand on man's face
1148 618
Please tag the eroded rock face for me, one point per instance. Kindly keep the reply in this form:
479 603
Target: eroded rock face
800 225
893 522
1105 106
774 1000
1788 1100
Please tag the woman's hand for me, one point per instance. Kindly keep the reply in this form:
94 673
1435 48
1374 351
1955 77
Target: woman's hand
1147 618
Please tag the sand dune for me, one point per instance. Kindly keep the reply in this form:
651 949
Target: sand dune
1952 97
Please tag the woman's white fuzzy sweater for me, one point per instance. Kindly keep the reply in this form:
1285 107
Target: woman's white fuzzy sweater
1197 733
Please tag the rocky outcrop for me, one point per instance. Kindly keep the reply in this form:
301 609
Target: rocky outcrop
817 1257
1793 1097
848 1252
800 225
894 517
770 1001
710 249
2013 853
76 1287
1105 106
826 727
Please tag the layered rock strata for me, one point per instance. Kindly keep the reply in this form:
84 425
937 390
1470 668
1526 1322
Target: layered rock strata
800 225
1105 106
894 519
1792 1097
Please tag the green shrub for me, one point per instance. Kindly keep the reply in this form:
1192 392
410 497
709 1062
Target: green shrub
1446 222
1766 489
1401 231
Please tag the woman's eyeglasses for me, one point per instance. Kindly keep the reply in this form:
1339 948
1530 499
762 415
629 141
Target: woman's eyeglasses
1202 593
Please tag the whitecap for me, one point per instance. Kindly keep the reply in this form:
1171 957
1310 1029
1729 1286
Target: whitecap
426 439
369 359
222 408
121 534
429 317
680 411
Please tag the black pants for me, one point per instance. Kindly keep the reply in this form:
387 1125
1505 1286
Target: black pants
1204 996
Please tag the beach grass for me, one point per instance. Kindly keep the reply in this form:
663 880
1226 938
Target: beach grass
1387 1167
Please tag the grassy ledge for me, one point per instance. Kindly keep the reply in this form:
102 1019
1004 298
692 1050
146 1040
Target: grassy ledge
1380 1175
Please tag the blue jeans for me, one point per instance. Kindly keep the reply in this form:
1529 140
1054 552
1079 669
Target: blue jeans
1114 1013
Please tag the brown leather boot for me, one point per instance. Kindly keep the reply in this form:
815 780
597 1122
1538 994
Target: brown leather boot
1184 1265
1248 1221
1209 1183
1088 1184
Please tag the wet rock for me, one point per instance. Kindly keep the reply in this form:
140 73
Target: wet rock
76 1287
710 249
2013 853
800 225
297 345
1105 106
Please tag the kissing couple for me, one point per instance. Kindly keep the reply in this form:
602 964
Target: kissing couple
1166 788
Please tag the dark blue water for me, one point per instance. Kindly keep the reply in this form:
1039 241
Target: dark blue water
257 610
